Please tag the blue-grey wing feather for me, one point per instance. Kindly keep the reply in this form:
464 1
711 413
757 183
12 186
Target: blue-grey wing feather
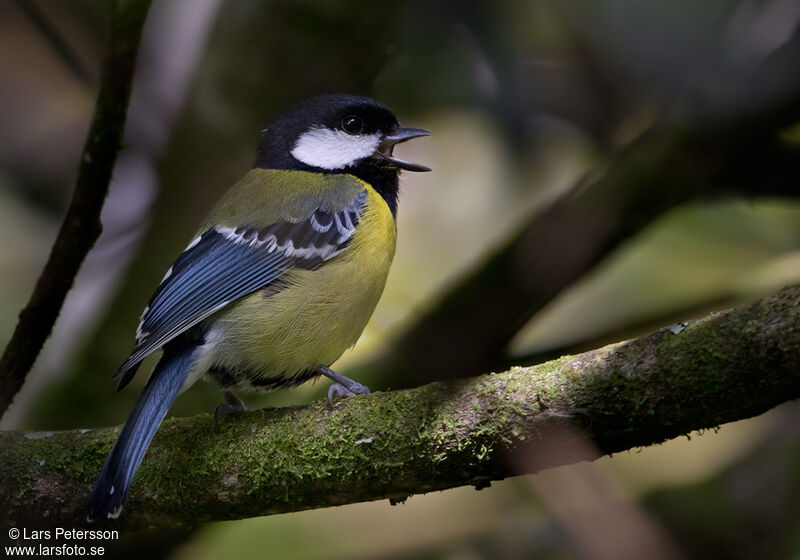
225 264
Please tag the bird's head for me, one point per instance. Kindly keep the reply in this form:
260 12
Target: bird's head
339 133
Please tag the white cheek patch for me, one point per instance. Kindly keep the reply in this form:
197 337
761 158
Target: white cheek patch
333 149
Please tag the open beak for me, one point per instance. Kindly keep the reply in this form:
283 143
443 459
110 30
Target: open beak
398 135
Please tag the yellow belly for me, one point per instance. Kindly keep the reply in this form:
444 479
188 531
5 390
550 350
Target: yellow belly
319 314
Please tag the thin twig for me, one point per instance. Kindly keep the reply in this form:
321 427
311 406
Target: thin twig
81 226
56 41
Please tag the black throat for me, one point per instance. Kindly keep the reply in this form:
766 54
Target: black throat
383 179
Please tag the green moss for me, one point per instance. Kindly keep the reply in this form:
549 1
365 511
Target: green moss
389 445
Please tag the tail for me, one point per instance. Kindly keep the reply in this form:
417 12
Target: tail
163 386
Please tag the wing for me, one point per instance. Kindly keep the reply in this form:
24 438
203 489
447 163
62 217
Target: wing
225 264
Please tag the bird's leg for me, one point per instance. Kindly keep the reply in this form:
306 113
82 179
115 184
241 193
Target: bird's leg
343 387
231 404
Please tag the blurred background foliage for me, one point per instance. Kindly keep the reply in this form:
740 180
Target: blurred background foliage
525 99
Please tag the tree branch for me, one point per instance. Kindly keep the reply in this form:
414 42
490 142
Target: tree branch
482 312
724 367
737 152
81 226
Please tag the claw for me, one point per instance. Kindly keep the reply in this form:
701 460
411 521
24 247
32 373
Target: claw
232 405
339 391
343 386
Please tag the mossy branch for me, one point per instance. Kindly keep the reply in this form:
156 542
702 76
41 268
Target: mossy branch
81 226
724 367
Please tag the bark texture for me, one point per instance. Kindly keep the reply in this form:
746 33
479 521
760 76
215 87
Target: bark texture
724 367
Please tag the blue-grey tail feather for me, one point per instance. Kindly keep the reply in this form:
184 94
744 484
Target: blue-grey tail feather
162 388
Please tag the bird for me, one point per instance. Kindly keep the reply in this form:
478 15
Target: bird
279 280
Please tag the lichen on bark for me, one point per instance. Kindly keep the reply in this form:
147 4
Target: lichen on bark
723 367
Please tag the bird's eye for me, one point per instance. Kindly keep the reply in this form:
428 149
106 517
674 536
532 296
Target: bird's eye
352 125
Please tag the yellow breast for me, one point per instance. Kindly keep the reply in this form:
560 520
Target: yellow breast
320 313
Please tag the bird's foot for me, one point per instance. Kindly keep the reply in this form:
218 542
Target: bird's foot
343 387
231 405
